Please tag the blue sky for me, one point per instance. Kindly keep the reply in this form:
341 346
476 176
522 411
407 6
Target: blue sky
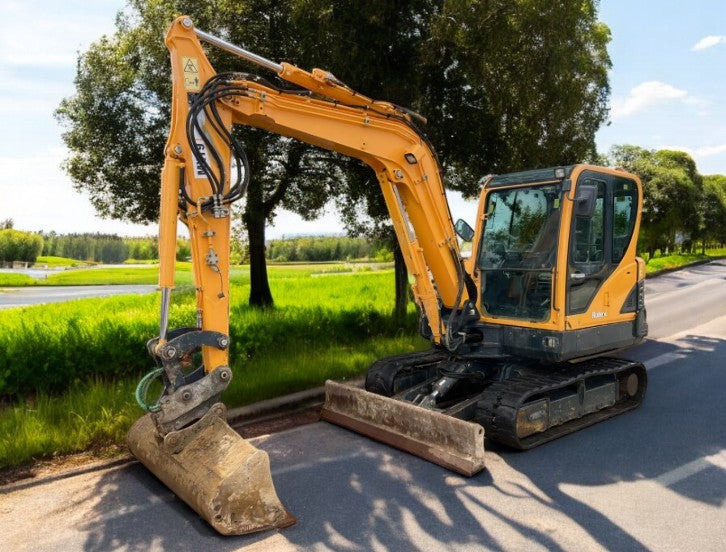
668 91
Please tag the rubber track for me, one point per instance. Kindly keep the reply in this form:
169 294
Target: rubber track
497 410
382 373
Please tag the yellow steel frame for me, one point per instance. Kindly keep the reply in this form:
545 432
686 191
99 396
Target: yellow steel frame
339 119
332 119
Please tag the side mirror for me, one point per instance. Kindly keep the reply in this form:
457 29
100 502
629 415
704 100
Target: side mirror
585 199
463 230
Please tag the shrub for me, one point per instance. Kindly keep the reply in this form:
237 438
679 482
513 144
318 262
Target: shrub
16 245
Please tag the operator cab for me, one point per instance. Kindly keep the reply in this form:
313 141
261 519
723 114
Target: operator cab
554 258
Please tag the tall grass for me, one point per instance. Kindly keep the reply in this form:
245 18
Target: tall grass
93 413
99 413
67 371
13 279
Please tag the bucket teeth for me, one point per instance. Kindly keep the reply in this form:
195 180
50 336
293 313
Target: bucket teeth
455 444
226 480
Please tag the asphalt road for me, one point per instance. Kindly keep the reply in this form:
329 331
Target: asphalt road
25 296
652 479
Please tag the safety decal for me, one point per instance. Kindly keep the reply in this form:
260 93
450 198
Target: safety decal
190 67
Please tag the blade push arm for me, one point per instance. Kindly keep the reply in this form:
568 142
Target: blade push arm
326 114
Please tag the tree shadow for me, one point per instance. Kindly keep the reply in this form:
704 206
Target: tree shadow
349 493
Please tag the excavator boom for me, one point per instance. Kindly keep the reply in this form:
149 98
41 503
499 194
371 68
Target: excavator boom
205 170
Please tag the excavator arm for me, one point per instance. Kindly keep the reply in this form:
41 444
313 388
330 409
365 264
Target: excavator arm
320 111
205 171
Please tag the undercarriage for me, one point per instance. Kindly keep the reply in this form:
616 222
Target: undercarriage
519 402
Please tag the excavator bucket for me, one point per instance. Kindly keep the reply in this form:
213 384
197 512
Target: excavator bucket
214 470
455 444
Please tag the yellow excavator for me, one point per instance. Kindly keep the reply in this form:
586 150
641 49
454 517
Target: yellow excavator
519 328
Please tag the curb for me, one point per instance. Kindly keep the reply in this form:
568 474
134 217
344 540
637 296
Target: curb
254 411
265 408
93 467
292 401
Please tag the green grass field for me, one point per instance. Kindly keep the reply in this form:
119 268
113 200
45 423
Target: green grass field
12 279
68 370
149 274
53 262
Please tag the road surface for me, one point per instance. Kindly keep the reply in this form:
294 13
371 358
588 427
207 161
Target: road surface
37 295
652 479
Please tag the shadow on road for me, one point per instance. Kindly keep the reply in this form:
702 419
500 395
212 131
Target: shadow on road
351 495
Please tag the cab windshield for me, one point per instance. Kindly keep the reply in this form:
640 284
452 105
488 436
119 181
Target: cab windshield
519 250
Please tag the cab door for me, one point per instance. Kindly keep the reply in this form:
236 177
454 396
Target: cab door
598 242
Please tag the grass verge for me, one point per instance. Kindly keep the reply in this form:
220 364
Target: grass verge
13 279
98 414
669 262
68 370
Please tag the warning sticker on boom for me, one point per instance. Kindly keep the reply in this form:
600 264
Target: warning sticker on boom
190 67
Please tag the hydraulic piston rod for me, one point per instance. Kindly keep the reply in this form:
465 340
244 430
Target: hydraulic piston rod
241 52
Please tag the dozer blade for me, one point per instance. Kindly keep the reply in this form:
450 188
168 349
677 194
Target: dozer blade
214 470
455 444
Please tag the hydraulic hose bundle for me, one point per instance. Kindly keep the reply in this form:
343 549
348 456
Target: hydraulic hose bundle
204 107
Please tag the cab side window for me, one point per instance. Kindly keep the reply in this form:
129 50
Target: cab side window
590 231
625 201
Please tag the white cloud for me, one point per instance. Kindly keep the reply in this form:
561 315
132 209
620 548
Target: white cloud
702 151
707 151
709 42
651 93
645 95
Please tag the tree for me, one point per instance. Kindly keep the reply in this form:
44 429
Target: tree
19 246
503 84
714 210
671 194
7 224
117 120
525 85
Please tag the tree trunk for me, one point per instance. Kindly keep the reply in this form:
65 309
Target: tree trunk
254 219
399 312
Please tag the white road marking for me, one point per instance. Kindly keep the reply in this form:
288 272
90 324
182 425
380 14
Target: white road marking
691 468
660 360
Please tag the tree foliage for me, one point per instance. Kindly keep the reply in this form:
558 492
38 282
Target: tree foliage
677 201
505 83
713 205
118 118
515 84
16 245
320 249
